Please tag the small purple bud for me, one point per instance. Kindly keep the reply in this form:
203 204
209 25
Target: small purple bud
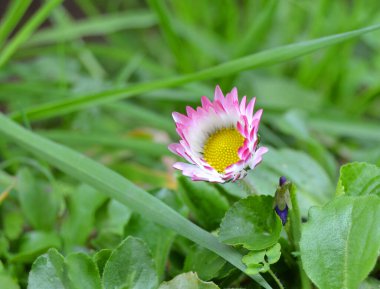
282 214
282 181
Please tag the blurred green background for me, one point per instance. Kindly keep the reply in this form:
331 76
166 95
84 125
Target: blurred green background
103 77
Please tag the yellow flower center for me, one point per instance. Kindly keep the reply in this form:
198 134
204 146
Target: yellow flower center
221 148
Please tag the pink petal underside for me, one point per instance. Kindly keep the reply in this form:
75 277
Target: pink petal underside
258 157
218 107
190 111
206 103
180 118
218 94
242 105
250 107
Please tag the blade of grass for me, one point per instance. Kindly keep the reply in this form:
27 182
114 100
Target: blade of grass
93 26
264 58
142 114
171 37
13 14
146 147
118 188
27 30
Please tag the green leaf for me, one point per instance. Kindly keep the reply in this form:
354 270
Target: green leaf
119 188
39 205
8 282
188 280
261 59
206 263
204 201
251 222
47 272
358 179
254 258
82 272
273 254
101 258
35 243
340 242
82 205
118 217
159 239
13 223
130 266
259 261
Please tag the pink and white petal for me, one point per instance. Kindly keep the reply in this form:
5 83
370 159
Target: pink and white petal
242 105
206 103
190 111
257 157
180 118
250 107
218 95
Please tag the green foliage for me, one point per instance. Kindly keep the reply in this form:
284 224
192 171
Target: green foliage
204 201
103 77
359 179
187 281
130 266
207 264
38 204
252 223
259 261
340 242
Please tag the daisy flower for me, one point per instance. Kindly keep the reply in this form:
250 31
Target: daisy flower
219 139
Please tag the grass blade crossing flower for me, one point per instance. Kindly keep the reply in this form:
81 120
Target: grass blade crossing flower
219 139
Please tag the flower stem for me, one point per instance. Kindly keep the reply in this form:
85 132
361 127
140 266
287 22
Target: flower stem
294 234
278 282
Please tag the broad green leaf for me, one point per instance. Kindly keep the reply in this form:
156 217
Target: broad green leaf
188 280
158 238
13 223
204 201
252 223
82 205
35 243
259 261
82 272
130 266
39 205
118 217
101 258
358 179
8 282
340 242
273 254
119 188
206 263
4 246
261 59
47 272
